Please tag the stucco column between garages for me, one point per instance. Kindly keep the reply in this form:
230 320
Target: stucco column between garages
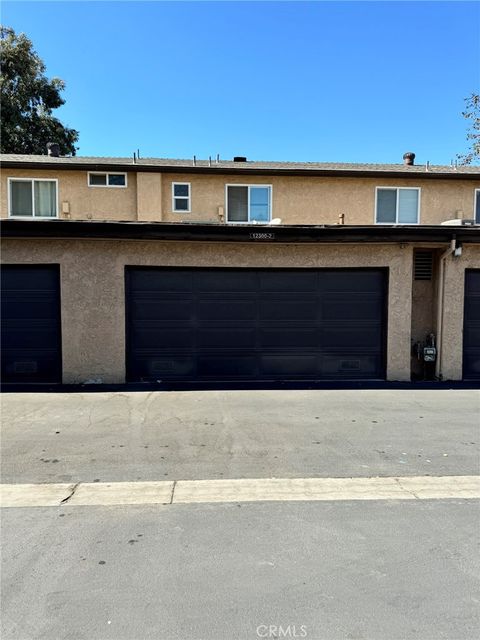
93 289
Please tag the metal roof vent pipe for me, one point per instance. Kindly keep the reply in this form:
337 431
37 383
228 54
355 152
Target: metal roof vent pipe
53 149
409 158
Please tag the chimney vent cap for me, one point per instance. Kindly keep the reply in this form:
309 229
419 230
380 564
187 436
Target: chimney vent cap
53 149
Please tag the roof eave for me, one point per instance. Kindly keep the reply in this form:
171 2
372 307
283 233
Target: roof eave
221 170
76 229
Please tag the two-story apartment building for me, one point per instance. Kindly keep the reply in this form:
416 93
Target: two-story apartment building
118 269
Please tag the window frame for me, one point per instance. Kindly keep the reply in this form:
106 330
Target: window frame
250 185
32 181
476 214
107 186
187 198
398 189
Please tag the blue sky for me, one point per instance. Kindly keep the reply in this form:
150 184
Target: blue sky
301 81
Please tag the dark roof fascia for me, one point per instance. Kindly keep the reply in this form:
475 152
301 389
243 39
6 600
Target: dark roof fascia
337 173
74 229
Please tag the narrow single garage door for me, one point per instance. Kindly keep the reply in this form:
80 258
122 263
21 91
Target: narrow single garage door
31 334
245 324
471 331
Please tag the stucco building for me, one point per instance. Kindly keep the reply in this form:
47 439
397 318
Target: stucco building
128 269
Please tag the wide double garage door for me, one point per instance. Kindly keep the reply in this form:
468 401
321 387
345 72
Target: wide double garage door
255 324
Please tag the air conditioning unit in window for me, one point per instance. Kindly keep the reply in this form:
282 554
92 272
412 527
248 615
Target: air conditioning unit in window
459 222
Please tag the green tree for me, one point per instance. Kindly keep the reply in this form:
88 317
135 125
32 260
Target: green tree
472 114
27 99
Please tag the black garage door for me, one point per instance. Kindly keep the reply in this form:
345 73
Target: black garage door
245 324
471 331
30 312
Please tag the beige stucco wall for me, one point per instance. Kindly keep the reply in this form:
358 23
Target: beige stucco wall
452 341
103 203
93 295
318 200
295 200
149 197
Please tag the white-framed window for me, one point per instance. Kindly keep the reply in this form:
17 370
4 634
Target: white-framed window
248 202
32 198
397 205
476 206
181 197
99 179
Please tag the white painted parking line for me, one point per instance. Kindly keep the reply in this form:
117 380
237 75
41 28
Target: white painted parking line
113 493
265 489
33 495
240 490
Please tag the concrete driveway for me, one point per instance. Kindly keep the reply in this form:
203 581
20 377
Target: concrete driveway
106 437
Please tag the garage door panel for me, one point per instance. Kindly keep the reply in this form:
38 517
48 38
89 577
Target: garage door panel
228 365
226 310
225 337
471 329
284 281
289 337
171 280
30 323
338 336
257 324
293 309
30 337
288 365
163 337
348 364
353 308
170 309
225 281
352 280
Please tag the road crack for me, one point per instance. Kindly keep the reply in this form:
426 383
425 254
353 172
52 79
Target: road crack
72 492
412 493
173 491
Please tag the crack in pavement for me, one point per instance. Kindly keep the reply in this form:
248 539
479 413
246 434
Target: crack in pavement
72 492
412 493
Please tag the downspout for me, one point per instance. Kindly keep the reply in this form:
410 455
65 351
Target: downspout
440 305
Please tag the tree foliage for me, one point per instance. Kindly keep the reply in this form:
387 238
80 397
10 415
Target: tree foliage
472 114
28 98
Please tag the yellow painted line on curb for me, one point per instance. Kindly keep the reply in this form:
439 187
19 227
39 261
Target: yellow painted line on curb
240 490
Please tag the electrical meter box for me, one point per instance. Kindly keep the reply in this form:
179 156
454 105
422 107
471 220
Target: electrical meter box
429 354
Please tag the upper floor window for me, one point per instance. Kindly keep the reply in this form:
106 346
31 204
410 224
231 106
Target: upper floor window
477 206
249 203
31 197
397 205
181 197
107 179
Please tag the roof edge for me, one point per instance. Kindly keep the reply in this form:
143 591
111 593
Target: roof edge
115 230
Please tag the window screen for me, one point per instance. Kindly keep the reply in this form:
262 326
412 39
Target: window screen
21 198
238 204
116 180
45 194
408 206
97 179
386 205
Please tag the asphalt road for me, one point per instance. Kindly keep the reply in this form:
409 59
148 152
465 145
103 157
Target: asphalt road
333 570
321 569
107 437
